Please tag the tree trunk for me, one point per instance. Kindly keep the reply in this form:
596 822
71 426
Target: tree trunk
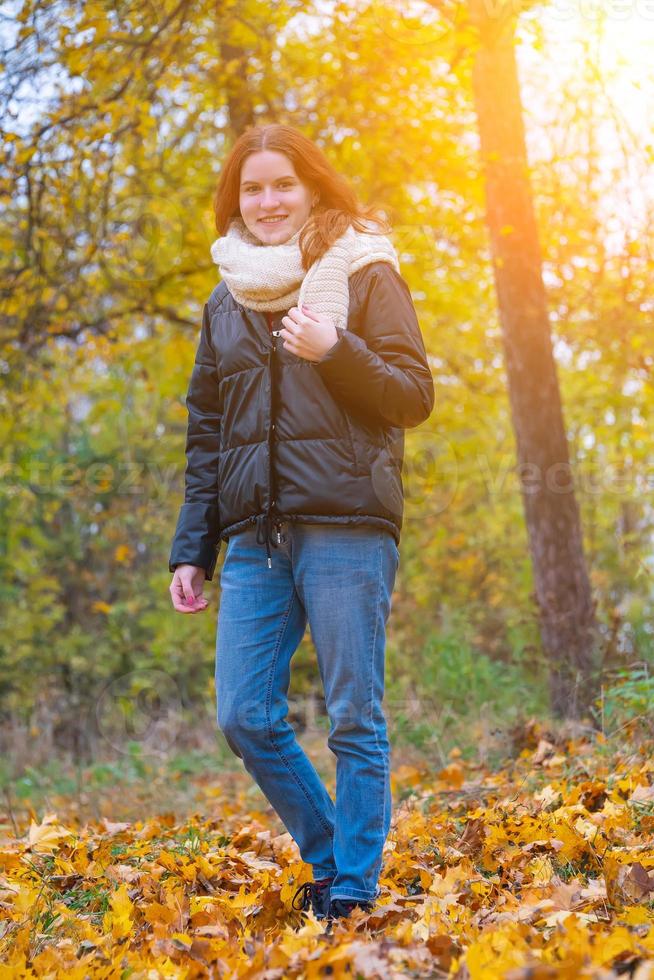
566 609
239 97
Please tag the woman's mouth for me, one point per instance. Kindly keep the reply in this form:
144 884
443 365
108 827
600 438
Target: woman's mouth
273 220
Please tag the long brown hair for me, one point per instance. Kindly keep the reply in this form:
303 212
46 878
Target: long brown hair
337 207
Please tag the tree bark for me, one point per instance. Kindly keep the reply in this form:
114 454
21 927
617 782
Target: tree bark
239 96
566 609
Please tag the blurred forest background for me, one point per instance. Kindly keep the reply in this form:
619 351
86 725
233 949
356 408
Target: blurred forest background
115 118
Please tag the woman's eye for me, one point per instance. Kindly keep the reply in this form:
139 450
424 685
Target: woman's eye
253 190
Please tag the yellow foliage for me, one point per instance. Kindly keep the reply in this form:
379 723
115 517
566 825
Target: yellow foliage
118 921
516 886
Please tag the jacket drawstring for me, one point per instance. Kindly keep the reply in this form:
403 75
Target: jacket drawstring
265 536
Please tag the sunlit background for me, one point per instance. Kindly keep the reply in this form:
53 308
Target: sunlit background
600 55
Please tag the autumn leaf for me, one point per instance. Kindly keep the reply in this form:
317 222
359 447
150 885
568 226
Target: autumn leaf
48 835
119 920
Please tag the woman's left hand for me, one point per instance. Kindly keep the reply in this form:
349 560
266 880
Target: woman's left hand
307 334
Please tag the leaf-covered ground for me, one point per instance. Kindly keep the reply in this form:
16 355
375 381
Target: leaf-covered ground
544 868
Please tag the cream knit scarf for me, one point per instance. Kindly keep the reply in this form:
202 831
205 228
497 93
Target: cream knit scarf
271 277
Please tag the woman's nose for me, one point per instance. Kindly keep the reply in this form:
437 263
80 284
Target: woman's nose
270 199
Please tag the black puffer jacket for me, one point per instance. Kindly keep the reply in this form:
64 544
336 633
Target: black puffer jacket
274 437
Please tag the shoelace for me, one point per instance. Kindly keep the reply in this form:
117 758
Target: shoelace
306 891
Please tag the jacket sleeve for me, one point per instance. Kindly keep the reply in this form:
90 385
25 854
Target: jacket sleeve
196 540
382 373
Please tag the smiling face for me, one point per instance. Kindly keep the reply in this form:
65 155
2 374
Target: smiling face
269 188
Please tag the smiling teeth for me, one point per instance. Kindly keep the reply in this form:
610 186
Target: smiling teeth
272 221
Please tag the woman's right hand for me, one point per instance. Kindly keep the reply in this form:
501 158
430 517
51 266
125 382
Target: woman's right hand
186 589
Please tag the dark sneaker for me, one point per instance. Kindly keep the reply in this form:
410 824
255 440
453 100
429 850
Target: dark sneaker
340 907
314 895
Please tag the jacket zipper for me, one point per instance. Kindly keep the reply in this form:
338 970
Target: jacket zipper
273 371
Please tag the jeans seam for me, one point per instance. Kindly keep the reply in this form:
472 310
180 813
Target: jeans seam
372 674
271 733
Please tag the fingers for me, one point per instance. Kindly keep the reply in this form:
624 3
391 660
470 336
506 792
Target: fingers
291 326
304 316
290 339
298 332
186 601
187 591
291 342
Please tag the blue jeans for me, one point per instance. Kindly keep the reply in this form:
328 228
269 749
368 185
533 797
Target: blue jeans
339 578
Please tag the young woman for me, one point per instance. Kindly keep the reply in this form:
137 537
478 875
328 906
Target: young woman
310 365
